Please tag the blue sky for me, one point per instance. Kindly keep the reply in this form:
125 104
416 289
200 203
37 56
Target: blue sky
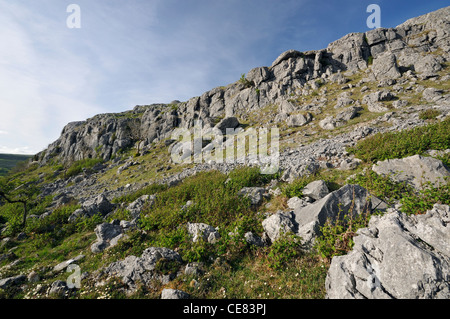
137 52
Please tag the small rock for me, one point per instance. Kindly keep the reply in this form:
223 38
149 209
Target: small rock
174 294
204 231
254 193
33 277
253 239
316 190
59 289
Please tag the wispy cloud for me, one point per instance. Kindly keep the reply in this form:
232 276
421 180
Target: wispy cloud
142 52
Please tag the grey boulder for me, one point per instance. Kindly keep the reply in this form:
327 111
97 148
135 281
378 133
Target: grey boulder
10 281
174 294
397 256
414 170
255 194
107 236
348 200
99 204
316 190
279 224
385 67
134 270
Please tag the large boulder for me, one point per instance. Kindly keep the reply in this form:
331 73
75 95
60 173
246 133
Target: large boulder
348 200
385 67
11 281
415 170
397 256
298 120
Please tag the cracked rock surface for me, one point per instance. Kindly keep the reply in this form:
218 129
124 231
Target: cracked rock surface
396 257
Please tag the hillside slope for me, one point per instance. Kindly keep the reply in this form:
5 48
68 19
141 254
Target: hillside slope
363 130
9 161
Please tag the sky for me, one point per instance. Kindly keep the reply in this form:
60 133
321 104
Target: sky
138 52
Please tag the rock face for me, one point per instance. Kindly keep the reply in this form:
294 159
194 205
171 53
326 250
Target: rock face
396 257
415 170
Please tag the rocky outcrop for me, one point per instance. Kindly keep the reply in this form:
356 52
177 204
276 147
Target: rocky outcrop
397 256
384 54
306 219
143 270
347 201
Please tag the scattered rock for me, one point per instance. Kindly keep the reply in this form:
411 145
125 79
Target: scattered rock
62 266
33 277
99 204
11 281
298 120
253 239
59 289
193 269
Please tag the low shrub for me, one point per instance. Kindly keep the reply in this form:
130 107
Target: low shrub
337 236
77 167
405 143
429 114
283 250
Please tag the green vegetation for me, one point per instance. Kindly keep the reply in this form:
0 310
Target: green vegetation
10 161
401 144
429 114
337 236
243 80
77 167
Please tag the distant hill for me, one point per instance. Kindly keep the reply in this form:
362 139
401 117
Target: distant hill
9 161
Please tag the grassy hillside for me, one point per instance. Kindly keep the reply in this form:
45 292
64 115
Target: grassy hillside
9 161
